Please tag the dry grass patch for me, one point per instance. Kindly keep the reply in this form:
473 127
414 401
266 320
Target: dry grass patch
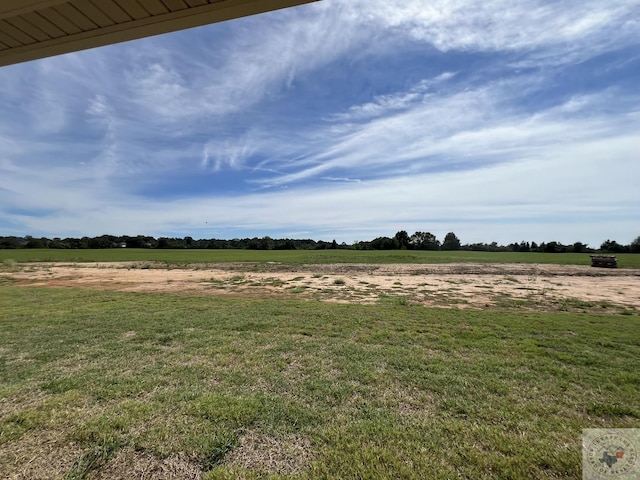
21 401
41 456
285 455
129 464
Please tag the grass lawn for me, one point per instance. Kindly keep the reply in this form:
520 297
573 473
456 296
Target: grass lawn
301 256
95 384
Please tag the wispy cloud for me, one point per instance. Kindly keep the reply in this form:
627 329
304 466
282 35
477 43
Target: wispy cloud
390 103
496 25
462 129
230 153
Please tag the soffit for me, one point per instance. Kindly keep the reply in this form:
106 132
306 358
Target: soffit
32 29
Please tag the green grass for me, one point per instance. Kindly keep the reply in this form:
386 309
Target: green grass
174 257
246 388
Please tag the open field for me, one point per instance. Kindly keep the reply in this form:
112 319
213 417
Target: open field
297 257
268 370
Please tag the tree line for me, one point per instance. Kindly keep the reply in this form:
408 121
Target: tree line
400 241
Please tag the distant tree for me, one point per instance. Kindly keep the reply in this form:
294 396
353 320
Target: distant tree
103 241
361 245
552 247
383 243
149 242
251 244
524 247
57 243
265 243
212 244
424 241
579 247
138 242
10 242
451 242
611 246
402 239
36 242
322 245
534 247
284 244
634 247
476 247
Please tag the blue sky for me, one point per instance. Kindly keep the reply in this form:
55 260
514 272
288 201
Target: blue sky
344 119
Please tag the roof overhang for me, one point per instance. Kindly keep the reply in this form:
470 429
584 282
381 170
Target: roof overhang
32 29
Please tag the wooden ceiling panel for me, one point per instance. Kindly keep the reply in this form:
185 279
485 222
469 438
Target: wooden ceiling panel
9 40
154 7
60 21
133 9
13 8
175 5
92 12
114 12
75 16
31 29
21 37
196 3
45 25
28 28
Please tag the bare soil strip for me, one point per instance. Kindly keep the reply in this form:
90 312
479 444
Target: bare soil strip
463 285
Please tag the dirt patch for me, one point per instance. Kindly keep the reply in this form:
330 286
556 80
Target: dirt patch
462 285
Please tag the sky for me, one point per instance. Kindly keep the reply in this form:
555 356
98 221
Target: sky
502 120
